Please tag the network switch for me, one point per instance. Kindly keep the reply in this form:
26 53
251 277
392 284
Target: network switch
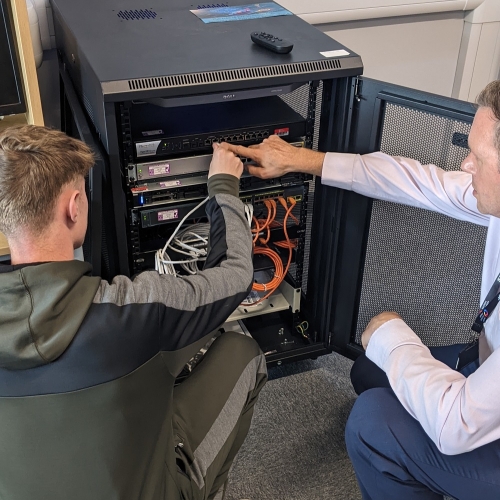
160 132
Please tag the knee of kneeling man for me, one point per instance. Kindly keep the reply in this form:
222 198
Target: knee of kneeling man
370 414
239 344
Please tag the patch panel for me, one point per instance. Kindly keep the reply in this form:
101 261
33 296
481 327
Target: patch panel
141 172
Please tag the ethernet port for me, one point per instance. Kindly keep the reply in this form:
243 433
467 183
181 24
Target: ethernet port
240 137
266 134
258 135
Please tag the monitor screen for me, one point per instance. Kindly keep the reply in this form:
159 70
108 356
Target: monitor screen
11 92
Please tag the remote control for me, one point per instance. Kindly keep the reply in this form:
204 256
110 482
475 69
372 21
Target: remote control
271 42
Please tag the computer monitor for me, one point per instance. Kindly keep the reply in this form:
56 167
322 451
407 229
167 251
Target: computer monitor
11 90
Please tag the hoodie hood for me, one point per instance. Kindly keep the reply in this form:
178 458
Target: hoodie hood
41 309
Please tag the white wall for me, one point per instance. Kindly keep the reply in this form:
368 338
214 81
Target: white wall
420 52
328 11
479 59
448 47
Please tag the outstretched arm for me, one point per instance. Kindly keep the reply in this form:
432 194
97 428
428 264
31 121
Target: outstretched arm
185 310
275 157
377 175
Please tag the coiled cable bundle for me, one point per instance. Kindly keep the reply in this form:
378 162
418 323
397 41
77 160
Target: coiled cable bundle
191 243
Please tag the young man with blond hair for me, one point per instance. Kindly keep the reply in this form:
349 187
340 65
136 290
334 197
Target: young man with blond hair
88 407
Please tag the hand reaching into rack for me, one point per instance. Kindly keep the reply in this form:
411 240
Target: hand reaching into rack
225 162
275 157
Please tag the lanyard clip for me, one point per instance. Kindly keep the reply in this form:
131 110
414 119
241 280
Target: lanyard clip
477 326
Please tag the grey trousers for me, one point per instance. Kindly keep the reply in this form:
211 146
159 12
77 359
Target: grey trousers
213 409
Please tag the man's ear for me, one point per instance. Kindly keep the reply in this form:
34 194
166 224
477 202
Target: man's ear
74 206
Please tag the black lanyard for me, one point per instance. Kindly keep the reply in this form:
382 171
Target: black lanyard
489 304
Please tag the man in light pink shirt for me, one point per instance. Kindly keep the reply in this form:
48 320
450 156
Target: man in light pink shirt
421 428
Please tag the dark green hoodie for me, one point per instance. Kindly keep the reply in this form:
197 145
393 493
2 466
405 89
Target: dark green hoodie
87 367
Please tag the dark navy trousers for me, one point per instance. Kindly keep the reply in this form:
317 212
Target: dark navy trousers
393 457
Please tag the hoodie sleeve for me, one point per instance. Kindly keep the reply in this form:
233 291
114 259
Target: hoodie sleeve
191 307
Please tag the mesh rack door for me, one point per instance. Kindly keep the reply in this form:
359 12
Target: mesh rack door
422 264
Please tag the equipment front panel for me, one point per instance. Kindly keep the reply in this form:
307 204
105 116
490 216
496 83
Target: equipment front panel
165 155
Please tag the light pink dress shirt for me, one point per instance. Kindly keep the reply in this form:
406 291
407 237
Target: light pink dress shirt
459 414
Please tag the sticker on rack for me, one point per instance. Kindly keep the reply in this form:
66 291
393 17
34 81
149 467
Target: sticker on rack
147 133
219 13
169 184
155 169
168 215
146 148
282 131
139 189
335 53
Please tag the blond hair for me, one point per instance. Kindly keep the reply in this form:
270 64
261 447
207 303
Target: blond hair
35 163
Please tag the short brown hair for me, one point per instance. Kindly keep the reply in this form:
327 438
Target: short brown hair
490 98
35 163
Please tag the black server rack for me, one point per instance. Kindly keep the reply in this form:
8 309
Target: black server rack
158 90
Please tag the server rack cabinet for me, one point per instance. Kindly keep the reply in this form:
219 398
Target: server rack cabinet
153 124
157 112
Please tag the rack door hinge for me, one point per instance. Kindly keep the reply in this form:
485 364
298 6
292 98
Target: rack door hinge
357 89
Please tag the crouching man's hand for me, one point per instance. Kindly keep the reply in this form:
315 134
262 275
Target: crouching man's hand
375 323
225 162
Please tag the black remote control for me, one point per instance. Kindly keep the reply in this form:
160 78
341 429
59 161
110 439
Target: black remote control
271 42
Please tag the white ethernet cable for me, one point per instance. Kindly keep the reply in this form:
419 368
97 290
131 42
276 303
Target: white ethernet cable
163 264
191 241
249 213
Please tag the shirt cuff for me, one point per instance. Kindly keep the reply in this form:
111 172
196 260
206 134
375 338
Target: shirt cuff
338 170
223 183
391 335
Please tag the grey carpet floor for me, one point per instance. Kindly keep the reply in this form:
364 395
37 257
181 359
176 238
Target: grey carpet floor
295 448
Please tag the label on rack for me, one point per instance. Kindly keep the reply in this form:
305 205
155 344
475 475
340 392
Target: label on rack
168 184
282 131
155 169
335 53
147 133
168 215
146 148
